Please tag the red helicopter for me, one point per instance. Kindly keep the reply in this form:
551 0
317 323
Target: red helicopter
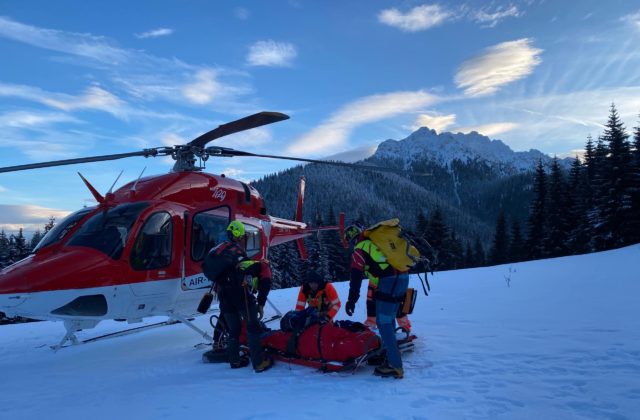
138 253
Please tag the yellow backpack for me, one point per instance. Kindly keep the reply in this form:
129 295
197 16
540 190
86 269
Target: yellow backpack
387 235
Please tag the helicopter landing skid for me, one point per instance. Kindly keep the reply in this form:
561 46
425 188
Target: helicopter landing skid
73 326
188 323
70 336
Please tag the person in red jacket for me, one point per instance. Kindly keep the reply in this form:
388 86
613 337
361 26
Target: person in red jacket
320 294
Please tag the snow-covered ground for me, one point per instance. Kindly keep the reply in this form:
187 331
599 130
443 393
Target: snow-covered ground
552 339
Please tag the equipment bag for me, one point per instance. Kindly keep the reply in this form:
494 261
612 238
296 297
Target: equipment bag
387 235
409 302
295 321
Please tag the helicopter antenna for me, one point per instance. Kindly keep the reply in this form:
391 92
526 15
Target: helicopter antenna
114 182
136 183
94 192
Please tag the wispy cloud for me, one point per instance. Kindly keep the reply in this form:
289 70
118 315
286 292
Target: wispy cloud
272 54
427 16
490 18
489 130
31 119
204 89
553 122
155 33
335 131
2 189
141 75
419 18
241 13
497 66
84 45
26 217
25 214
94 97
632 19
435 122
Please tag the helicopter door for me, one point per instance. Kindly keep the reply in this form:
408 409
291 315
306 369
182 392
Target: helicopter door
152 256
208 229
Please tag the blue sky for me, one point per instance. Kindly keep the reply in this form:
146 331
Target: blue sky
89 78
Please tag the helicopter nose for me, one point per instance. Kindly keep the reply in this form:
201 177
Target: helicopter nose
75 268
37 285
12 277
10 296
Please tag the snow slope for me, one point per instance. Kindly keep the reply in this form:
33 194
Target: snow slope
551 339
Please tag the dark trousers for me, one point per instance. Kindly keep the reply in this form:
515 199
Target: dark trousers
236 305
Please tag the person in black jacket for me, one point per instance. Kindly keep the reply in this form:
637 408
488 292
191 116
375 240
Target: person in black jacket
235 278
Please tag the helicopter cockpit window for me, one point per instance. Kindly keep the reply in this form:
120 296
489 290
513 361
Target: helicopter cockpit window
208 230
254 240
107 231
59 231
152 249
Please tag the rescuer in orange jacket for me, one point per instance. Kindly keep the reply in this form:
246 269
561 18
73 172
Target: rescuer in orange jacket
320 294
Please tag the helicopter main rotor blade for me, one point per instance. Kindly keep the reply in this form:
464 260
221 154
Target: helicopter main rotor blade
246 123
223 151
145 153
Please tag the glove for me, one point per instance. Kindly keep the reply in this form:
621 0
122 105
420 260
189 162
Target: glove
260 312
351 306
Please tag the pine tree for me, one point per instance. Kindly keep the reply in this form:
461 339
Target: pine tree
599 187
634 190
499 248
537 215
478 253
437 234
317 253
421 230
456 252
4 249
468 256
556 231
21 247
617 207
35 239
589 158
50 224
578 201
337 254
516 245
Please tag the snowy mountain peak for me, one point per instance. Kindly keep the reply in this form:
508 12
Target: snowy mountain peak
444 148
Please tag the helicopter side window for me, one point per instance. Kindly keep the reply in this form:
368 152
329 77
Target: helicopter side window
152 249
59 231
208 230
107 231
254 240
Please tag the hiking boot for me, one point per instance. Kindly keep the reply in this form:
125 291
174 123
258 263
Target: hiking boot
389 371
215 356
377 360
266 364
242 362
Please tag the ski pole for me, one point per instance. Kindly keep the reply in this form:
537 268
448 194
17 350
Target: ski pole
424 289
